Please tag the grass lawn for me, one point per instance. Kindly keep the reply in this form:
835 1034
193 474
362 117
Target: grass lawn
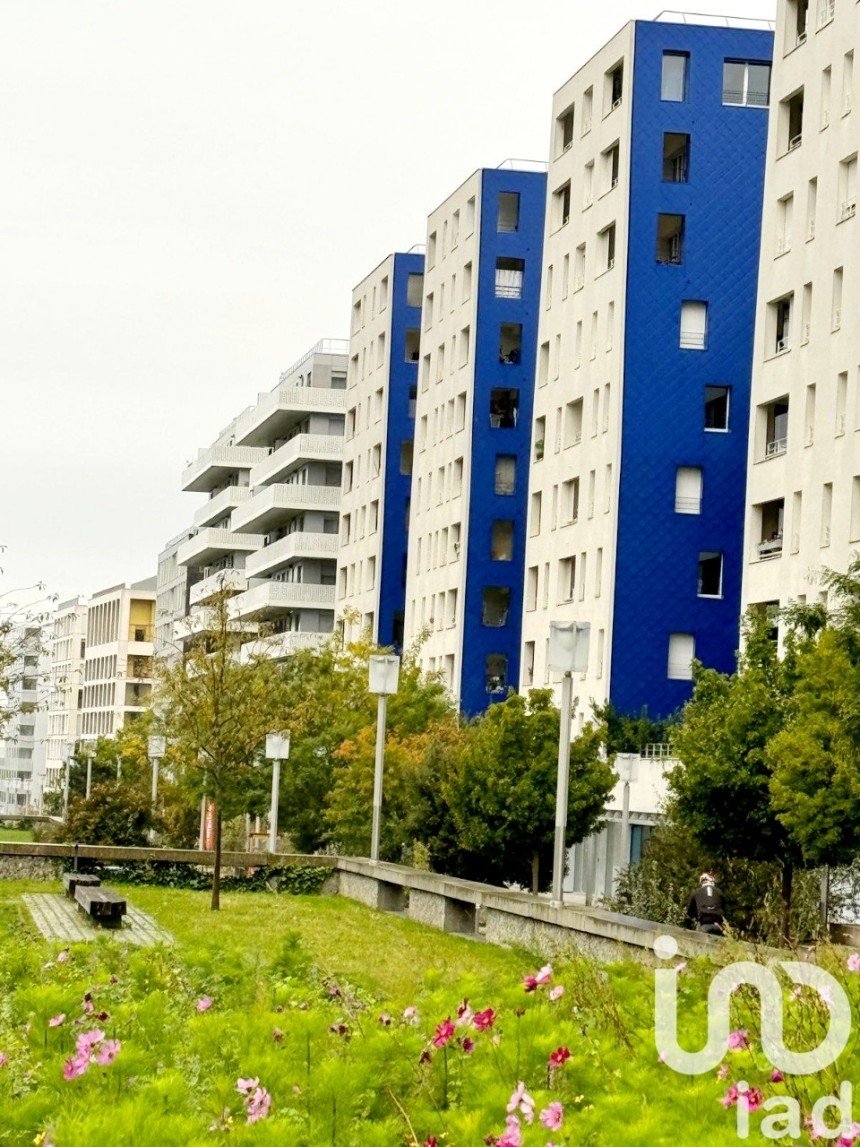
307 1021
18 835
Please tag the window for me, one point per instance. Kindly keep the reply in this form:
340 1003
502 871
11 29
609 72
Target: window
811 205
836 303
413 345
710 581
567 578
431 249
781 318
791 122
670 239
784 219
561 205
510 343
694 325
673 85
841 402
770 518
588 185
539 438
607 237
502 540
746 83
564 131
579 267
535 513
509 278
854 534
506 474
682 651
496 603
508 217
465 338
847 82
414 289
796 23
406 452
469 222
611 168
688 490
717 401
587 110
826 11
826 512
848 188
614 88
413 400
496 673
573 423
676 157
809 417
826 88
569 501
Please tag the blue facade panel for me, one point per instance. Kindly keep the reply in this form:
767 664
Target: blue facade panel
403 383
663 423
495 431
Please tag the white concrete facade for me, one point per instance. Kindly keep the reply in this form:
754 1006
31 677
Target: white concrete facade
269 530
117 677
803 490
171 597
23 750
67 646
364 459
441 477
573 482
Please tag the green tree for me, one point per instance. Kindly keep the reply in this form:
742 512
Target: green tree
117 813
502 786
216 709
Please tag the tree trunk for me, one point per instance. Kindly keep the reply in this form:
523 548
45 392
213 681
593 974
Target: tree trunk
216 871
535 874
787 878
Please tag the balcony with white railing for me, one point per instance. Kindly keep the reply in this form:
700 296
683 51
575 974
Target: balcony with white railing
280 645
230 581
211 466
273 597
302 448
222 503
283 407
300 544
208 545
269 506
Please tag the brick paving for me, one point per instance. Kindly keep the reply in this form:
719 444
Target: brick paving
59 918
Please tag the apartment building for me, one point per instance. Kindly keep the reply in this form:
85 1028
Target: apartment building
473 418
23 748
269 529
636 496
67 647
803 484
382 394
172 586
117 670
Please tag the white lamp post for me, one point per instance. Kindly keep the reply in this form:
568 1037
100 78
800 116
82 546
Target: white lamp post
384 679
155 750
627 767
277 750
69 750
568 653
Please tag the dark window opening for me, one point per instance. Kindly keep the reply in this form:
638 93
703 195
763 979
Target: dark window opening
496 603
413 345
509 277
510 343
717 407
496 673
710 582
502 540
676 157
504 408
406 452
508 218
670 239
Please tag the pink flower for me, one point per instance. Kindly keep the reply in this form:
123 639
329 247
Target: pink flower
544 975
739 1040
723 1072
853 962
444 1031
86 1041
246 1086
484 1020
88 1003
57 1021
464 1017
731 1097
559 1057
513 1136
463 1008
530 983
4 1058
430 1141
521 1100
754 1098
468 1045
107 1053
76 1066
681 966
63 957
410 1015
204 1003
557 992
258 1105
552 1116
385 1020
776 1076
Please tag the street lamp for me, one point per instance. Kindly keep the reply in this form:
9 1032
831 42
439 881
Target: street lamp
155 750
627 767
86 751
70 748
568 654
277 750
384 679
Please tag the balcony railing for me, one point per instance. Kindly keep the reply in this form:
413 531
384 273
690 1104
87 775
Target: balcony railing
775 446
202 474
301 544
229 580
208 545
273 596
280 645
310 446
770 548
222 503
287 398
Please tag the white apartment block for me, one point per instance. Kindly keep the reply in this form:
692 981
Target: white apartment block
117 678
171 597
67 648
269 529
803 488
23 748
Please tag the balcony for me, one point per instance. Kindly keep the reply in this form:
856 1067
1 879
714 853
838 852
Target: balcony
212 466
297 545
302 448
232 581
208 545
270 505
281 645
273 597
279 408
223 502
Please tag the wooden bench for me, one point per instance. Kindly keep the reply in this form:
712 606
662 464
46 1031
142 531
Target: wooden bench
101 905
72 880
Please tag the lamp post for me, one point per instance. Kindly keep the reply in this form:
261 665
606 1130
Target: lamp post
86 751
155 750
568 653
627 767
277 750
69 750
384 679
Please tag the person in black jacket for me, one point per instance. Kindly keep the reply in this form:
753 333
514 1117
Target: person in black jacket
705 910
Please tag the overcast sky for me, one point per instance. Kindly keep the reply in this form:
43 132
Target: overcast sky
190 189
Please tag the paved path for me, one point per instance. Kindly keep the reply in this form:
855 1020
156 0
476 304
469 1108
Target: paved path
59 918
